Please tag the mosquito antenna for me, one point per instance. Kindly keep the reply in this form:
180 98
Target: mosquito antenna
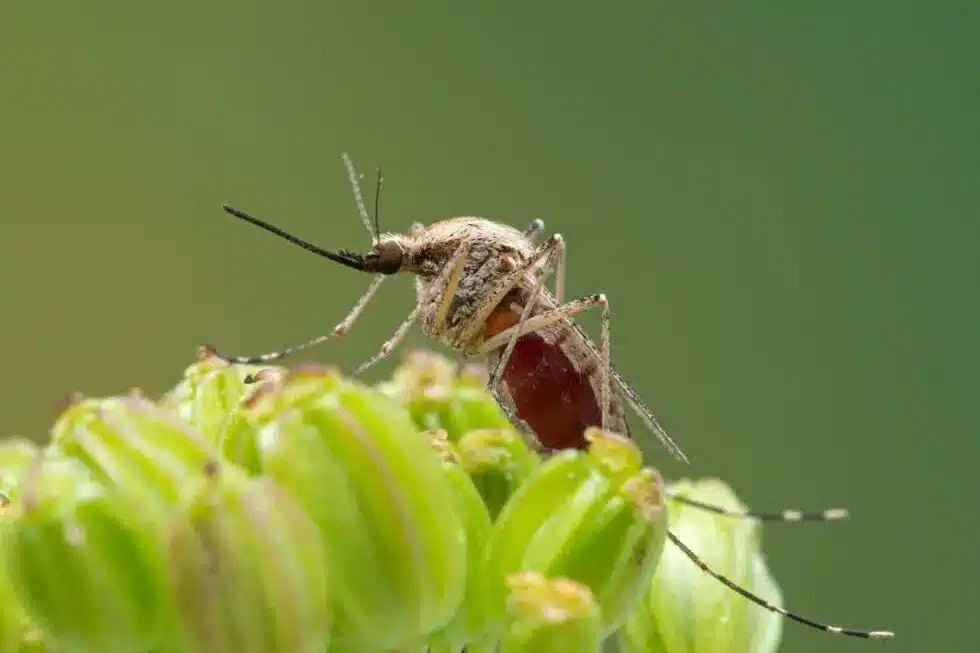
832 514
354 182
837 630
377 205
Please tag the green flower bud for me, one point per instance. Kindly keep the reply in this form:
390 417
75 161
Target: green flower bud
35 641
471 620
686 610
247 570
238 441
357 464
17 633
593 517
133 445
212 391
550 616
12 619
498 461
15 456
438 396
82 562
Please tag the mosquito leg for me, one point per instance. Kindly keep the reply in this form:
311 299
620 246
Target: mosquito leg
866 634
542 320
448 281
543 252
647 416
606 362
530 438
550 317
532 232
337 332
832 514
391 343
498 371
560 277
545 268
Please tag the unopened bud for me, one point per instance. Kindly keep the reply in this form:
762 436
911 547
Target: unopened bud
498 461
550 616
15 456
81 561
247 570
12 618
212 389
472 617
355 461
133 445
440 396
686 611
586 517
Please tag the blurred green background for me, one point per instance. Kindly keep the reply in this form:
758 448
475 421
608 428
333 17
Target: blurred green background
781 202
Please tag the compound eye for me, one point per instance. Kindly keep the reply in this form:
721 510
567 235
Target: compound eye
389 257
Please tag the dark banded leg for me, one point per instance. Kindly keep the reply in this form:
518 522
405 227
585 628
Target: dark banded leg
832 514
837 630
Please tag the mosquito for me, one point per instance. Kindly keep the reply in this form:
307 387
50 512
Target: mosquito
481 290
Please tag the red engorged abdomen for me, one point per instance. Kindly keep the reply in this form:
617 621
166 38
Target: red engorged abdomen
554 398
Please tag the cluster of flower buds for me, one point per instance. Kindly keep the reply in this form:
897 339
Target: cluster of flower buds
265 510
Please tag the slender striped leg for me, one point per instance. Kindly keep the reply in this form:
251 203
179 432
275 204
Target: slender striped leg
337 332
831 514
806 621
543 257
449 281
390 344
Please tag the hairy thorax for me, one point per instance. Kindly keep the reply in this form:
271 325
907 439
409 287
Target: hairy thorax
495 251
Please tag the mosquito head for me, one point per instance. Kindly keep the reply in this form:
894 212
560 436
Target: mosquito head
386 257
